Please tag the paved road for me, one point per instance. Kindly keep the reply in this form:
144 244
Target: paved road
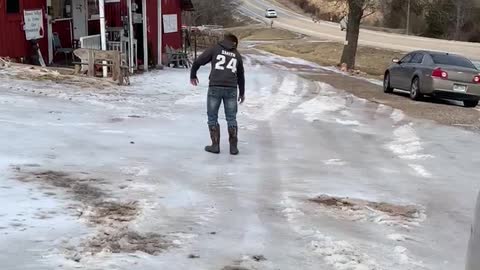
300 23
298 139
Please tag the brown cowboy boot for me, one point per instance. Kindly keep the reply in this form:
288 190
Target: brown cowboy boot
233 138
215 136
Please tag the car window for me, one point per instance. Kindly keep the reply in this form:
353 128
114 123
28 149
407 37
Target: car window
417 58
452 60
407 58
476 64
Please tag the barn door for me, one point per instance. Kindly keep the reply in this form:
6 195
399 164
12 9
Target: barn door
79 13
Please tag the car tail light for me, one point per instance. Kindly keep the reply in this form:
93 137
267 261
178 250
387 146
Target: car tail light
476 79
439 73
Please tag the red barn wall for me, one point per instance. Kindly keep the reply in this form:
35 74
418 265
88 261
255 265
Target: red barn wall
173 39
12 36
152 30
114 13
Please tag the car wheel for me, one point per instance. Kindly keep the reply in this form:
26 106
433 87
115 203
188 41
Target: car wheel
386 84
415 93
470 103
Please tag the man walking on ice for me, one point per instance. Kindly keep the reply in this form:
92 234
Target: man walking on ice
227 73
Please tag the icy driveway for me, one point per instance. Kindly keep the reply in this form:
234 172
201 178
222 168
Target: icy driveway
97 171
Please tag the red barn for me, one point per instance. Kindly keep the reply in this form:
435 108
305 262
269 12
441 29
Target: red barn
77 23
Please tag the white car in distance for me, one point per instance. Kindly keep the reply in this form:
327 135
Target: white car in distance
271 13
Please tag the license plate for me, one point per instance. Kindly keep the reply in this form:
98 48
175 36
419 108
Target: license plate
459 88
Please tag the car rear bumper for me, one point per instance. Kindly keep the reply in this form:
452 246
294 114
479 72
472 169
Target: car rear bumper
446 89
454 95
271 16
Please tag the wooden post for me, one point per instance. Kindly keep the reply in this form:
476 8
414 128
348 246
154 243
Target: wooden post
195 46
116 66
91 63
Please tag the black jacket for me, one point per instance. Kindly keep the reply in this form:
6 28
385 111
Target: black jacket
227 66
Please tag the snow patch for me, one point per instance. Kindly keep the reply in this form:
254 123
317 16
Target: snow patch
335 162
407 146
383 109
397 115
404 259
135 171
397 237
347 122
420 170
339 254
110 131
194 99
406 142
263 108
314 108
272 59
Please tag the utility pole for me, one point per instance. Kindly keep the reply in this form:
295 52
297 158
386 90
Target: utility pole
408 17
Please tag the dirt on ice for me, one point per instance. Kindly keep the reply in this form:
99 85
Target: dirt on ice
379 212
111 219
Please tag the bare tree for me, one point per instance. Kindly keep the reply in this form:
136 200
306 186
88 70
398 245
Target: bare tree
218 12
462 14
357 9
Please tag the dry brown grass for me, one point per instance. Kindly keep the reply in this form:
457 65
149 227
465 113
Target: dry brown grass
369 60
260 32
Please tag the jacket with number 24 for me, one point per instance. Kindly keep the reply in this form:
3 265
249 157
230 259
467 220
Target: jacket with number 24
227 66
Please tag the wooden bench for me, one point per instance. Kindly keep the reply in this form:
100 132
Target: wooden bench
177 58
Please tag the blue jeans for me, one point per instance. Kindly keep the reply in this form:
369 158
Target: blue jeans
216 95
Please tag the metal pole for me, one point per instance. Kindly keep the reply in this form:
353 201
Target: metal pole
103 36
408 17
49 32
145 35
130 36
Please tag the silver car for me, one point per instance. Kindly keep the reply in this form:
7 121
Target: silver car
437 74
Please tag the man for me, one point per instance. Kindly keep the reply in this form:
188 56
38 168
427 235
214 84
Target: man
227 73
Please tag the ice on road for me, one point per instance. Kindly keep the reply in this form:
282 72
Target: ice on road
117 178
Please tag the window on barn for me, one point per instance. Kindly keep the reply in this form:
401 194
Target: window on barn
93 10
13 6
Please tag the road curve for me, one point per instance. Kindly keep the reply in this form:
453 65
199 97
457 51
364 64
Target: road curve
300 23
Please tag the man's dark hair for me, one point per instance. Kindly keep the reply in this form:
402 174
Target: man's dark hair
231 37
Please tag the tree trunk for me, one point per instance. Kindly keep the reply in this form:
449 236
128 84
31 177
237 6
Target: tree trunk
458 21
355 14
